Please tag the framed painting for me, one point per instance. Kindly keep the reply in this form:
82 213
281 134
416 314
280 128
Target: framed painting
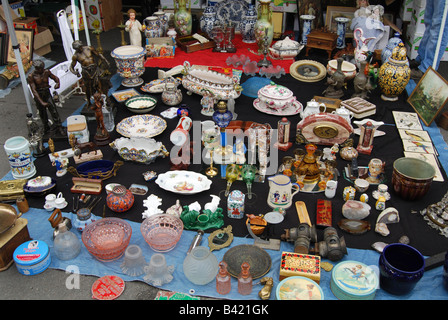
314 8
308 70
334 12
429 96
25 41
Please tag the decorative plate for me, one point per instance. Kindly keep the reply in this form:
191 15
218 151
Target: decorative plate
158 85
230 11
294 109
124 95
183 182
308 70
141 104
144 125
258 259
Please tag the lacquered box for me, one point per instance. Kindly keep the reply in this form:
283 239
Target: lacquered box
298 264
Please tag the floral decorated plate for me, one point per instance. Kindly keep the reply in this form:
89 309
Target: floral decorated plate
124 95
183 182
142 125
290 110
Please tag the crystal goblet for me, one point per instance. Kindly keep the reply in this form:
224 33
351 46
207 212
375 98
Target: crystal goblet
232 173
248 174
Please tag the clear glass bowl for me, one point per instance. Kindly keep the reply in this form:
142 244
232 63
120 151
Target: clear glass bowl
162 231
107 239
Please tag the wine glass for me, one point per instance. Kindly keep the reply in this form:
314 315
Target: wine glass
248 173
210 137
232 173
218 36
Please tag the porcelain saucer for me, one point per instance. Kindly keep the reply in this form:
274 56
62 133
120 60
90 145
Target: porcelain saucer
294 109
49 207
63 206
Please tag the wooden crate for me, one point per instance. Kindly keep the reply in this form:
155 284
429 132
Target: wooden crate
190 44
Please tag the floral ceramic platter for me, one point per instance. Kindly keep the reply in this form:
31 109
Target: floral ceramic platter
290 110
230 12
143 125
183 182
124 95
157 85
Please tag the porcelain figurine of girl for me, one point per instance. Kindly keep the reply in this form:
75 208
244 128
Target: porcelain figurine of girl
134 27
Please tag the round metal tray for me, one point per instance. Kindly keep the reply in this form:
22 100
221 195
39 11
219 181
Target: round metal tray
258 259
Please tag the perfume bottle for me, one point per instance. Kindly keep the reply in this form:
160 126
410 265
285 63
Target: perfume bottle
223 284
245 280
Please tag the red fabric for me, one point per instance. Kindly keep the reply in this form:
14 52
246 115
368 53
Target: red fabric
209 58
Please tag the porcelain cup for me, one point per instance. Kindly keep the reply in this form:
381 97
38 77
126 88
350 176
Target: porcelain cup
401 267
60 203
51 198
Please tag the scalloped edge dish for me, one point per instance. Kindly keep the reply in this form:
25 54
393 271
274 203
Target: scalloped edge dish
140 123
183 182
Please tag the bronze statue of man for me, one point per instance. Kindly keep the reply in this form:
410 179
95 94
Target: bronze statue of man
38 81
87 57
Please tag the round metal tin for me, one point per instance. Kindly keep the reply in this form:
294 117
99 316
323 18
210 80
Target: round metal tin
353 280
32 257
299 288
108 288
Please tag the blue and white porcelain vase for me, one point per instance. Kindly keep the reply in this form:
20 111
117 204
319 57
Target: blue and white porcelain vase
307 21
387 51
341 27
207 21
247 25
163 21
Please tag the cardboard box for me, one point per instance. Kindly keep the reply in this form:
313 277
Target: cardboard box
412 43
405 12
18 8
42 41
418 22
26 23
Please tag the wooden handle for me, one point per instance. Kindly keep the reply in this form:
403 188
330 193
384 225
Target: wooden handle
55 218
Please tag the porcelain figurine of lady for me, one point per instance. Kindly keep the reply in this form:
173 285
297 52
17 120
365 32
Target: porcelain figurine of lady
207 103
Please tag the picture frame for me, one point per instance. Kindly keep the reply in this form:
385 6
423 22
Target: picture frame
308 70
338 11
25 40
429 96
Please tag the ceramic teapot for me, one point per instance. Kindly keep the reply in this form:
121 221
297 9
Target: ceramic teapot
344 113
281 191
312 107
171 95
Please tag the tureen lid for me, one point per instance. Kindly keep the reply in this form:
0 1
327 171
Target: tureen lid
287 43
275 91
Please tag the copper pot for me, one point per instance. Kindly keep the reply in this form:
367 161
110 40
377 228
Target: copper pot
412 178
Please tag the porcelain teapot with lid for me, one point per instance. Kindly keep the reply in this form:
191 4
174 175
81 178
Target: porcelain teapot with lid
171 96
312 107
344 113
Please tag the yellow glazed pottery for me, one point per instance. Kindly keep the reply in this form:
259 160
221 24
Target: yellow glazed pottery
394 75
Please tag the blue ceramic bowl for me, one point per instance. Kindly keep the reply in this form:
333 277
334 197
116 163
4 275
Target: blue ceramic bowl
401 267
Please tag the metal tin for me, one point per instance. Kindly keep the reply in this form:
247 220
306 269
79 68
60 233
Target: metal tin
299 288
32 257
353 280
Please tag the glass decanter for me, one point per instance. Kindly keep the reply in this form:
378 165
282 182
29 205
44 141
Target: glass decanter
67 245
223 282
245 280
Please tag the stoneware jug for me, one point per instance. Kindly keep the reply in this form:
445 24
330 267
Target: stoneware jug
281 191
312 107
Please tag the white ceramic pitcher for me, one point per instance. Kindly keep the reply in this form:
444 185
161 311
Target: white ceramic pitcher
281 191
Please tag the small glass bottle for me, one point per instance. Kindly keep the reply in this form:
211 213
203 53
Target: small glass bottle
223 284
245 280
66 244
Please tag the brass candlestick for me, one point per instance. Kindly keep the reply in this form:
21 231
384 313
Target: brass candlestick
97 33
122 26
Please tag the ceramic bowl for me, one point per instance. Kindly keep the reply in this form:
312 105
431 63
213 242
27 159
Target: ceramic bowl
143 125
183 182
348 68
276 97
141 104
162 231
361 185
107 239
412 178
141 150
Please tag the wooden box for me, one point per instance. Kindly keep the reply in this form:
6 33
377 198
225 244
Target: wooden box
298 264
321 40
86 185
190 44
26 23
360 107
10 240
